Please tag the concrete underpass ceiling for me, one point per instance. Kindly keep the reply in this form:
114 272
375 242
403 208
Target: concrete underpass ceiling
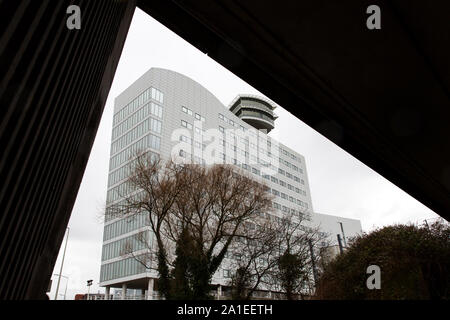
381 95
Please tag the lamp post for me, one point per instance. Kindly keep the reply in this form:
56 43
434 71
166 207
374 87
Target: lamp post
89 284
62 264
67 282
313 262
343 234
65 290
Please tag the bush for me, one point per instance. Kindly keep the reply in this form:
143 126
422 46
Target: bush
414 263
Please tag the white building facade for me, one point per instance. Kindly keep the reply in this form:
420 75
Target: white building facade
172 116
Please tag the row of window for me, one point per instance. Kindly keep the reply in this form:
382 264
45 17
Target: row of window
225 144
290 176
284 196
149 124
197 144
189 112
119 191
272 217
131 107
185 154
281 171
194 159
113 213
222 157
222 142
284 184
245 153
244 141
248 135
245 164
247 146
148 109
261 150
290 155
122 268
253 133
255 114
123 172
119 175
186 124
126 245
292 211
231 122
149 141
125 225
290 165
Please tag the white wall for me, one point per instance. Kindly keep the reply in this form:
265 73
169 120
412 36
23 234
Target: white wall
331 225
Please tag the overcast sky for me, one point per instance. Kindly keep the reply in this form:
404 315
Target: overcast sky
340 184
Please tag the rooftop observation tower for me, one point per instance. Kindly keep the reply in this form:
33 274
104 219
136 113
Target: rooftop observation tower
255 110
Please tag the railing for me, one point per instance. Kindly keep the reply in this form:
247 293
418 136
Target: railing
255 114
155 296
226 295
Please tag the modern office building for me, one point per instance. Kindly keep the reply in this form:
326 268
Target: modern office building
340 232
172 116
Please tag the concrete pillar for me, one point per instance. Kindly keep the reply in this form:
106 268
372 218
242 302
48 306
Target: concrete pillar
150 289
219 292
107 290
124 291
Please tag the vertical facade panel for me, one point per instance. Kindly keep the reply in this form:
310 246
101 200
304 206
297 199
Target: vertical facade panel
53 86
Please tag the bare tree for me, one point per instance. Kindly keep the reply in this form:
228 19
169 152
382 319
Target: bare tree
152 188
206 205
214 210
296 269
254 256
276 253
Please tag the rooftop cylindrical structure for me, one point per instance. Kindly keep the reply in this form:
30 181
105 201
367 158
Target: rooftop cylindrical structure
254 110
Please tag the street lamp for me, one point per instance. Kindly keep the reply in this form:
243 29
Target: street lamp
89 284
62 264
67 282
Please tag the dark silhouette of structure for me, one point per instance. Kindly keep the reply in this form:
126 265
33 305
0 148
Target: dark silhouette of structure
53 86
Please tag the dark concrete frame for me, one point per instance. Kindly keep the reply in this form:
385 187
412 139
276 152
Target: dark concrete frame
381 95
